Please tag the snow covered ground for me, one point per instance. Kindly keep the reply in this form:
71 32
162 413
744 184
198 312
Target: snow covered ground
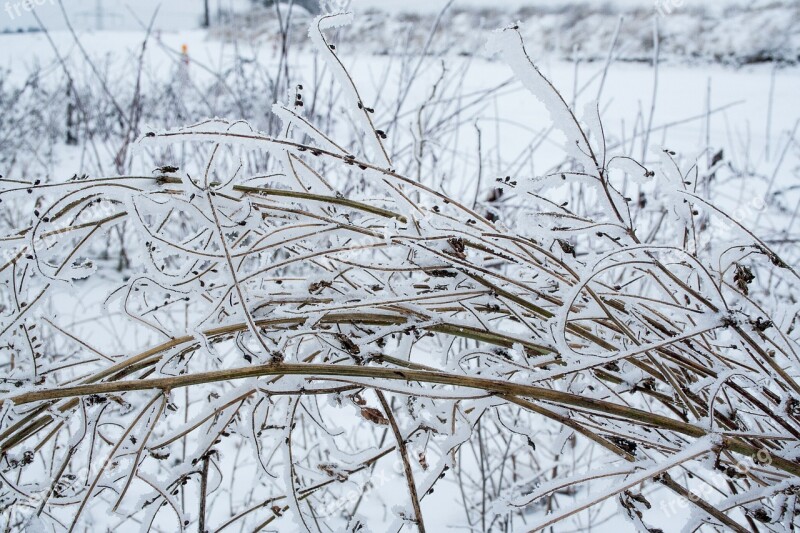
748 109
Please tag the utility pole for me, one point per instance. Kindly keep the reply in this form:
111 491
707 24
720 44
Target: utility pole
207 16
99 16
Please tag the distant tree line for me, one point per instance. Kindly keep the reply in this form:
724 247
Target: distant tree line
312 6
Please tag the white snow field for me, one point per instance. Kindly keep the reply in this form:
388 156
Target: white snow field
298 274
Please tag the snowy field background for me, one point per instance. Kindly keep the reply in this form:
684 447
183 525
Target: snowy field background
720 93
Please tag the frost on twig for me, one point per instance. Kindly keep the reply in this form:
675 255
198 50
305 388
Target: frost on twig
292 356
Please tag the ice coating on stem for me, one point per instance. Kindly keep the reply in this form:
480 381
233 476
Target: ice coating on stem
508 43
362 111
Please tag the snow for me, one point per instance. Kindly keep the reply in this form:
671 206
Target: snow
748 111
739 97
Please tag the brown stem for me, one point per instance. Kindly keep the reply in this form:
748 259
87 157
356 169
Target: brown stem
343 372
401 447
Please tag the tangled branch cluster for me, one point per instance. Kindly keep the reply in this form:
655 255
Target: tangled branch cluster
536 358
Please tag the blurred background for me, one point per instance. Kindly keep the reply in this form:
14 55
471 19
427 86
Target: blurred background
189 14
